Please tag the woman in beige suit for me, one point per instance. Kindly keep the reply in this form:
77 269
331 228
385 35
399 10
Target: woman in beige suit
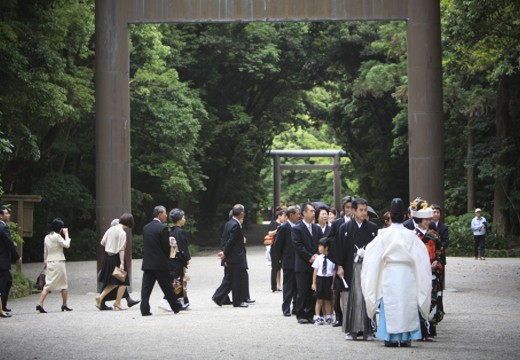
56 277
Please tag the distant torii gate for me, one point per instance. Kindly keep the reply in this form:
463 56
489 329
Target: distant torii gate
113 17
278 167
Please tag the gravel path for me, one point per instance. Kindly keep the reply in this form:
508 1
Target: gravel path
482 320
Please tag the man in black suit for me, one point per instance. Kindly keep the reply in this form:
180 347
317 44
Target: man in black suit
284 249
305 236
8 254
156 252
234 257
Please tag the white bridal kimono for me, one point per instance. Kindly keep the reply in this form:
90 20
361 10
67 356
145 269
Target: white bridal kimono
396 268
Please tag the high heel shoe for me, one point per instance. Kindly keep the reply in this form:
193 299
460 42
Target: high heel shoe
119 307
40 309
65 308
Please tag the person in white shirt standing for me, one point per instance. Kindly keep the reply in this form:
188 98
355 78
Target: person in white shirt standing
479 227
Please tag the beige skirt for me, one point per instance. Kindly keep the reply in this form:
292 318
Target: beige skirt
56 276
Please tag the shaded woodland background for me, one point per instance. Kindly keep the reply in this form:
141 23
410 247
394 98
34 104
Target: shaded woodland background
208 101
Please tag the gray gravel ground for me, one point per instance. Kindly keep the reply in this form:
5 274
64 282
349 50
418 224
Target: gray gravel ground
482 320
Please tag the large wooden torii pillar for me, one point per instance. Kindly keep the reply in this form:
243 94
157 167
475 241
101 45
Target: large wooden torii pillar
425 116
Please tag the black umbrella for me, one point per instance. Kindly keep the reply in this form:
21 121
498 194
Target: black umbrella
372 213
320 205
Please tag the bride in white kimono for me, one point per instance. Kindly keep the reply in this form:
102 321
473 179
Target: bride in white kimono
396 277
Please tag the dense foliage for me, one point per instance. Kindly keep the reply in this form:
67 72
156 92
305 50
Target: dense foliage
208 101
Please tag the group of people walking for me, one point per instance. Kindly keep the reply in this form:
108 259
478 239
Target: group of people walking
166 258
358 270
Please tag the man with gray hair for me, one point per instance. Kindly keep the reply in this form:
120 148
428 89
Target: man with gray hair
156 252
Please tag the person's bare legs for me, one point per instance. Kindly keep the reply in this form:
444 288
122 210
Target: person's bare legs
120 292
104 293
43 295
64 296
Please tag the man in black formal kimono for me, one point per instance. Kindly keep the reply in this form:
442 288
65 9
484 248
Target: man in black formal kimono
156 252
8 255
338 283
284 249
305 237
347 252
234 257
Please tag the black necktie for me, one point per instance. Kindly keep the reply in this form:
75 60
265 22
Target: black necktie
324 269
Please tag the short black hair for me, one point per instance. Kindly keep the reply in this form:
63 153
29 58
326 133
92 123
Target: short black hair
359 201
324 241
333 210
3 208
306 206
127 219
57 225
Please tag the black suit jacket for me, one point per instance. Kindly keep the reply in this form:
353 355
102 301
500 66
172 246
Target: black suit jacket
8 253
409 224
335 227
156 246
442 229
232 243
305 245
344 246
283 246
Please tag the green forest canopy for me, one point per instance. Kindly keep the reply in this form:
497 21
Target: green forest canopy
208 101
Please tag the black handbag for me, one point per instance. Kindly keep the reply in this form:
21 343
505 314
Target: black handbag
40 280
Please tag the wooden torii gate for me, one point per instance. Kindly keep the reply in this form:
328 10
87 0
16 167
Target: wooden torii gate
113 17
278 167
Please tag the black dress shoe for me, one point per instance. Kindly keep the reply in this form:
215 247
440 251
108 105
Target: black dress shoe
405 343
303 321
65 308
5 315
216 302
104 307
250 301
287 314
40 309
147 314
131 302
7 310
391 344
242 305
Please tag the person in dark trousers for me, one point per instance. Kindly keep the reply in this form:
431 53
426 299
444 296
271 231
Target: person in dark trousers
347 252
234 261
284 249
276 261
337 300
305 236
156 252
8 255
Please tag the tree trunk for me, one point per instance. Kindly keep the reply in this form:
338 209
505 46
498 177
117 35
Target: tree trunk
503 164
470 168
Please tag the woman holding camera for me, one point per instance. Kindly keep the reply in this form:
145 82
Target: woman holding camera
54 259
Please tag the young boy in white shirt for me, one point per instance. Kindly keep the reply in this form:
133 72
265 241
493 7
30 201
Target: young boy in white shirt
322 280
